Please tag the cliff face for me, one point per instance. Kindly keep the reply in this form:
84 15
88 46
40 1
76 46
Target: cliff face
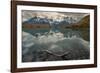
83 23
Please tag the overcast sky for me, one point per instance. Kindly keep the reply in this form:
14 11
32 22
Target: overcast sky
26 14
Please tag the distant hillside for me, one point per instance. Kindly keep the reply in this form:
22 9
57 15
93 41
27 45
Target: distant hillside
83 23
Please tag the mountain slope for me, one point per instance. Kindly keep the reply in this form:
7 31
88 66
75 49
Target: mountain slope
83 23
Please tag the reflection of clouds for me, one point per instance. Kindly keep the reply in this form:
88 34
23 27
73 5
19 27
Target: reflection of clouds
26 14
74 47
29 38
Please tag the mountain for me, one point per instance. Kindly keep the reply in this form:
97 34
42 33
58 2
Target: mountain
27 14
83 23
36 20
39 20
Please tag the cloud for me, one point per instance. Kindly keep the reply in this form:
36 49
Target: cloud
26 14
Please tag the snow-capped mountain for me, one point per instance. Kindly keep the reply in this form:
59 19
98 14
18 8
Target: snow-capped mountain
56 18
39 20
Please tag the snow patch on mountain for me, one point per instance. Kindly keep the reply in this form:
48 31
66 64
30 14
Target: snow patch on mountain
55 16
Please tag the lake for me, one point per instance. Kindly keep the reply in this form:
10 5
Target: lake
55 45
82 32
